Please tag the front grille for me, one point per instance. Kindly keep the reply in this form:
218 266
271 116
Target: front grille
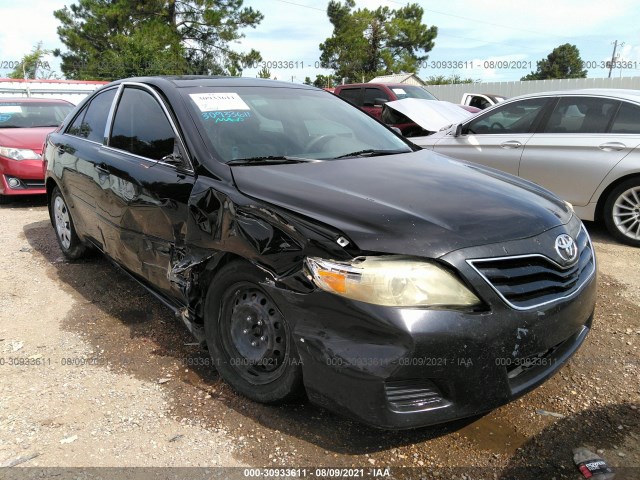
413 395
33 183
529 281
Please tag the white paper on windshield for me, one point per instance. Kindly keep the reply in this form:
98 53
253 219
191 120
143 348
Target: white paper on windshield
399 91
10 109
214 102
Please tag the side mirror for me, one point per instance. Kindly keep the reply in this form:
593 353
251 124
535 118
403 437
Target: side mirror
378 102
458 131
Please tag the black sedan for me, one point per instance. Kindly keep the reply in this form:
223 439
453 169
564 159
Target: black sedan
310 248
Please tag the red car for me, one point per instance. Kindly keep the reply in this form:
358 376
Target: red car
24 125
370 97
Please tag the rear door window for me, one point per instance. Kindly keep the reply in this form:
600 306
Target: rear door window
627 120
581 115
353 95
92 120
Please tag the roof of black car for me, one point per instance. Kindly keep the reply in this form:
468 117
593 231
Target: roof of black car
213 81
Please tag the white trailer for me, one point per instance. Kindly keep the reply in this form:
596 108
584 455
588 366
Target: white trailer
70 90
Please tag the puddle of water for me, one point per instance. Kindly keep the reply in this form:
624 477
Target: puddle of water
492 434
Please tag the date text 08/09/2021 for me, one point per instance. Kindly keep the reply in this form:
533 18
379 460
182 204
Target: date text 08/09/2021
426 64
320 472
453 64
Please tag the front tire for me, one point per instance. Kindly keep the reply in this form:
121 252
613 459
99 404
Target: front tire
70 244
622 212
249 339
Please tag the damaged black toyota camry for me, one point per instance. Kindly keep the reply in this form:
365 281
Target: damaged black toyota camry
312 249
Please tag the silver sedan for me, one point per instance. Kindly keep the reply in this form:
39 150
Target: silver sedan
580 144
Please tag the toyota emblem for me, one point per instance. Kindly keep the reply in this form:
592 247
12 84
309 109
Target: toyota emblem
566 248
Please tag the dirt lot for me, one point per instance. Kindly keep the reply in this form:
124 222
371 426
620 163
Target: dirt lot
95 372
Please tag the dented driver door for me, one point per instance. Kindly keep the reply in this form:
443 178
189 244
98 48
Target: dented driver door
144 206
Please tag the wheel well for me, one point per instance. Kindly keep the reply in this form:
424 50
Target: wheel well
599 214
208 273
50 185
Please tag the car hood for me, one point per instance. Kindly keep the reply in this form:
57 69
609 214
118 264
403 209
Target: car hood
431 140
31 138
420 203
430 114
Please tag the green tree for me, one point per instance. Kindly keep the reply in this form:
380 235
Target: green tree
307 81
366 43
234 71
450 80
34 65
324 81
264 73
563 62
117 38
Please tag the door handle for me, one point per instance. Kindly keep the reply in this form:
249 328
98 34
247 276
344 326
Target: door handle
511 144
102 168
612 146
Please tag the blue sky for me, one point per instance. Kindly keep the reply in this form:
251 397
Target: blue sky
512 35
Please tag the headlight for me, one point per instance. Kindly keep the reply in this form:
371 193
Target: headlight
19 153
391 281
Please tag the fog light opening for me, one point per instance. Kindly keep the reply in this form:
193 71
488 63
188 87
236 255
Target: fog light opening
14 182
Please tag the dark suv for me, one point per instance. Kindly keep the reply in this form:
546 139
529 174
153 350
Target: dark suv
312 249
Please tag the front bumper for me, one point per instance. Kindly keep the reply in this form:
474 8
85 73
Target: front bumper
399 368
28 174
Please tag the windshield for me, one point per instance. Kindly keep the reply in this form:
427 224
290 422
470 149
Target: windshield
412 91
258 122
32 114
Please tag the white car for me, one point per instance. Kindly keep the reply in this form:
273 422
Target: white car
580 144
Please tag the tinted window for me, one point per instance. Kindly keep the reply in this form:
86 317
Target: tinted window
581 115
92 121
516 117
354 95
141 127
479 102
32 114
372 96
627 120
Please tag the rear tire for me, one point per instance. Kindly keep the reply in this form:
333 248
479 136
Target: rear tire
622 212
249 339
70 244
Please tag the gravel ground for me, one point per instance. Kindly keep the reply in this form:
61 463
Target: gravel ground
94 372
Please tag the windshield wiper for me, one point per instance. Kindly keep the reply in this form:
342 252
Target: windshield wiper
270 160
373 153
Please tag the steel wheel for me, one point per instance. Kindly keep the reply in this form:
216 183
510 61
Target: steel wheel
254 335
61 219
622 212
248 336
626 213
